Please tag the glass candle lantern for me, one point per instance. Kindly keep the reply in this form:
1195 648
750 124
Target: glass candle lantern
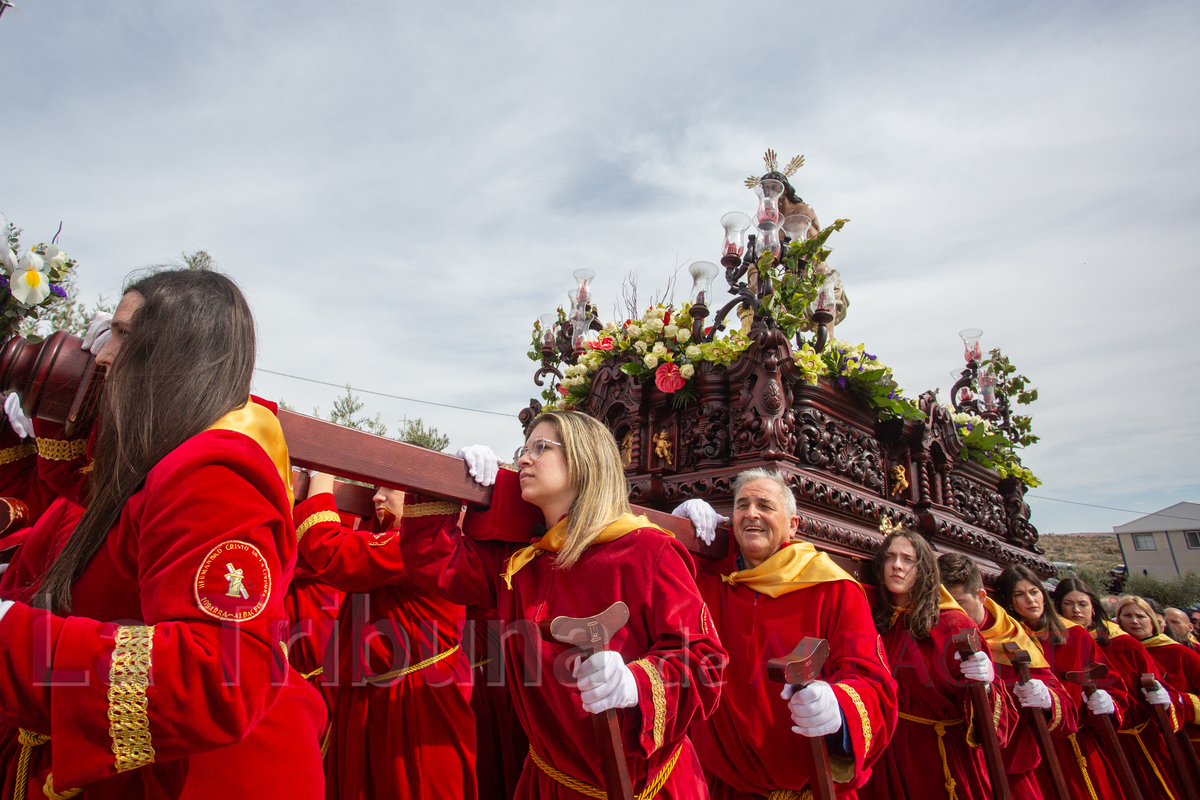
973 350
768 239
768 192
965 393
795 227
581 323
703 273
826 299
549 329
735 224
583 290
987 389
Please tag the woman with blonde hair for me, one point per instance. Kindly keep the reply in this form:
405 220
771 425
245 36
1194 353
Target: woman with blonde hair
661 669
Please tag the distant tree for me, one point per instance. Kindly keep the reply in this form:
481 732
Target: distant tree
284 405
1180 591
199 260
345 412
415 432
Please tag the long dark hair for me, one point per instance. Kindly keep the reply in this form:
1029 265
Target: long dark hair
185 363
1068 585
923 610
1005 587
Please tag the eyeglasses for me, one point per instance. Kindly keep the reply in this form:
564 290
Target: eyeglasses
535 449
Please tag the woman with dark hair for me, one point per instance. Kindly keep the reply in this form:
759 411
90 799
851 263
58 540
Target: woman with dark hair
1180 664
1068 648
160 618
917 620
661 669
1141 739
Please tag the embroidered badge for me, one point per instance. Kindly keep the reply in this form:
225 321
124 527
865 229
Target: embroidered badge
233 582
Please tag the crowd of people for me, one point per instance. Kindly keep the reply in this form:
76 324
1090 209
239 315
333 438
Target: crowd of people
177 623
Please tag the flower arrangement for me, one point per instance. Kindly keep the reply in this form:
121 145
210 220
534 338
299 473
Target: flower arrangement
986 445
849 367
657 347
30 281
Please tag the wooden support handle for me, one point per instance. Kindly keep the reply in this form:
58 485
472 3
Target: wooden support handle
591 635
1020 659
1148 683
800 668
966 642
1108 735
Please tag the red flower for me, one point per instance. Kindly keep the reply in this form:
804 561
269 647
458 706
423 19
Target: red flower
708 330
602 343
667 317
562 390
668 379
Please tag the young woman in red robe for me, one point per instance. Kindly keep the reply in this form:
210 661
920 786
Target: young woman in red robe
935 751
401 723
1141 738
159 620
1179 663
1068 648
661 669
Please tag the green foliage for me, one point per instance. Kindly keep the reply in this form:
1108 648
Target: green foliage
346 411
1179 592
796 289
1016 388
284 405
1098 580
414 431
200 260
15 316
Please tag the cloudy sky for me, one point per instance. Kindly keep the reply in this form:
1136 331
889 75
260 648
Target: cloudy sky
403 188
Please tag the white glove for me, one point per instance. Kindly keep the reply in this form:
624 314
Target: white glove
1100 702
704 517
814 709
97 332
605 682
481 461
4 607
977 668
1157 697
16 416
1033 694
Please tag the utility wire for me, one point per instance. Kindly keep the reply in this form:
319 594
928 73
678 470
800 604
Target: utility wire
1111 508
383 394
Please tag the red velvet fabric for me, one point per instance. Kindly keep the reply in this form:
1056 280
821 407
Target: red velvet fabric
226 716
747 746
652 574
412 736
1180 665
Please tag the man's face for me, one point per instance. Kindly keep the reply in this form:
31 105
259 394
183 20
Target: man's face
761 523
128 306
972 602
1179 622
1196 622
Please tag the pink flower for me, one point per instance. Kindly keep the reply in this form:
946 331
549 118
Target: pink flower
602 343
668 379
562 390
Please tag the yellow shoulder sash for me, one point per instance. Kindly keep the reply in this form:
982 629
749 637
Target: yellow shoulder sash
796 566
554 539
258 423
1005 629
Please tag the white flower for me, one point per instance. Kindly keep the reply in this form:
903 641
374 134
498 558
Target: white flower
683 336
28 284
659 349
650 361
641 347
687 371
671 331
692 351
54 258
655 325
634 330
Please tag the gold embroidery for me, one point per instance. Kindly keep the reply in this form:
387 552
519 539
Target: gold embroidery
11 454
704 619
28 740
1057 716
62 449
862 714
996 708
310 675
313 519
658 695
1195 703
1079 759
65 794
396 673
790 794
939 727
283 647
129 677
431 509
587 790
1175 723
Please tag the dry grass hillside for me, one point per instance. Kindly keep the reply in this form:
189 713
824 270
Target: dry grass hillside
1096 552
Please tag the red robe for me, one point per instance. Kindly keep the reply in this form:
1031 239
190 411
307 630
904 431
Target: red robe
500 742
679 659
1180 666
202 700
411 735
19 477
1141 737
747 746
1086 768
930 686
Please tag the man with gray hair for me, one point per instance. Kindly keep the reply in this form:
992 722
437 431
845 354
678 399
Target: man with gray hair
765 596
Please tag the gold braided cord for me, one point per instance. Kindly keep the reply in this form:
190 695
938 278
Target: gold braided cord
313 519
1194 702
129 677
65 794
1136 733
308 676
583 787
28 741
658 695
790 794
1079 759
431 509
481 663
939 727
283 647
62 449
11 454
1057 717
1175 723
863 716
396 673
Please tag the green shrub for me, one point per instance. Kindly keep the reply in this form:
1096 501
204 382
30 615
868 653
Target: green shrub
1180 592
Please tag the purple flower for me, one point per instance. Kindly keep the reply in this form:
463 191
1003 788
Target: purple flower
3 282
842 382
58 290
868 355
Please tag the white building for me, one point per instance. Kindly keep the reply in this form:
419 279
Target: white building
1163 544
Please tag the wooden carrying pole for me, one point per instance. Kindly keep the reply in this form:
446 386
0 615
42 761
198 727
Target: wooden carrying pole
1020 659
1108 734
591 635
966 643
800 668
1148 684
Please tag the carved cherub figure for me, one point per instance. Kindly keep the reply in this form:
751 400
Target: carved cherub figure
662 446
